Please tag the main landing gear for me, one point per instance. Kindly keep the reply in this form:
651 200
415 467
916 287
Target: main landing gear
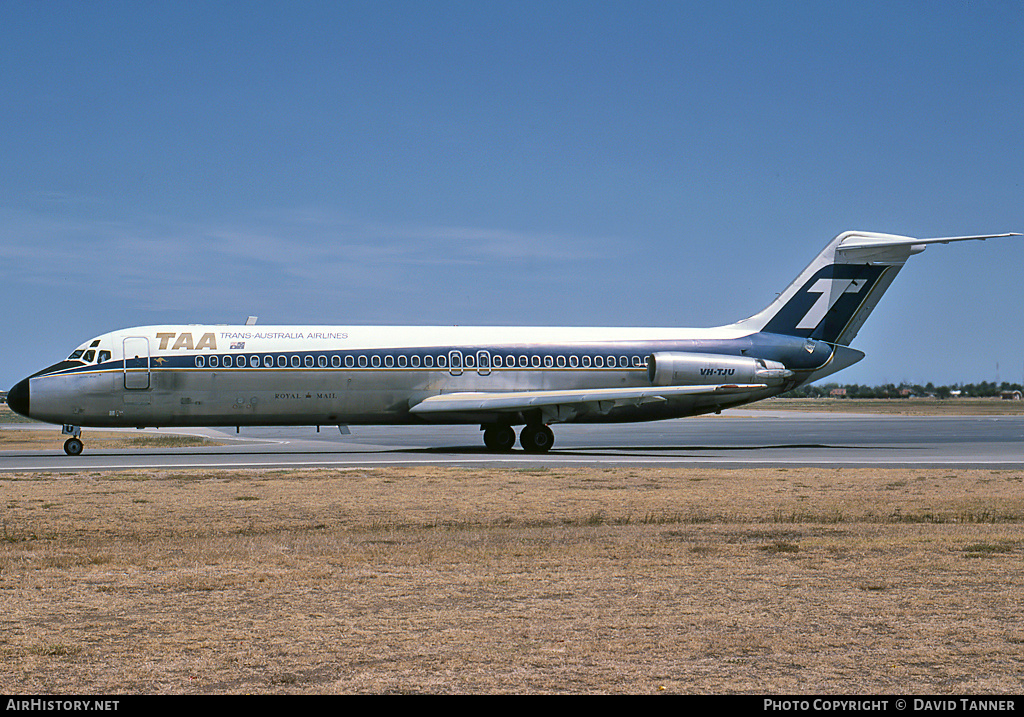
73 446
533 438
500 438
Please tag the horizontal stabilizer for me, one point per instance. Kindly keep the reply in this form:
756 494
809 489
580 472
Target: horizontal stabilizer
884 248
867 241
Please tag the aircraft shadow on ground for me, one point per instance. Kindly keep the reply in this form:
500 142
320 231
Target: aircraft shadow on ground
639 451
697 451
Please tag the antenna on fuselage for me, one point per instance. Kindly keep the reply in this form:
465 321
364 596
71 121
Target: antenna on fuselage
251 321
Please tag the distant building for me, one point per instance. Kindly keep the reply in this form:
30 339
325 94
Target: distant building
837 393
1010 395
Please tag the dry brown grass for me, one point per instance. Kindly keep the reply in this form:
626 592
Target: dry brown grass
563 580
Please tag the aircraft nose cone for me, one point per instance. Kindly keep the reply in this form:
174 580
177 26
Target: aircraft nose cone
17 398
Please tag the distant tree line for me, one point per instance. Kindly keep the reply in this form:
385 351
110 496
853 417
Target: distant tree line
985 389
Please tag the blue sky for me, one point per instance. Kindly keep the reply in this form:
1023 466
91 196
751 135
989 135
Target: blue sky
552 163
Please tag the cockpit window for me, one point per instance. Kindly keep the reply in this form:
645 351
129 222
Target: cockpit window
104 356
89 355
76 354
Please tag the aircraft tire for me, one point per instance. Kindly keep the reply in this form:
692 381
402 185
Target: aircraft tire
499 438
73 447
536 439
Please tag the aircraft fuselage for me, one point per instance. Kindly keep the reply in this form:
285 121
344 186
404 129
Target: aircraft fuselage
242 375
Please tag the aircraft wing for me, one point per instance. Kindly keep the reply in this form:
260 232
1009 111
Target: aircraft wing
561 405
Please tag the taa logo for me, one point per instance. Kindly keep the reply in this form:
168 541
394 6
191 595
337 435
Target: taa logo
185 341
829 292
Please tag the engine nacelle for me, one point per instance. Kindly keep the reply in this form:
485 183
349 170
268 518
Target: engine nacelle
692 369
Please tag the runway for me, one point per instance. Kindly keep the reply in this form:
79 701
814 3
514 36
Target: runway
736 439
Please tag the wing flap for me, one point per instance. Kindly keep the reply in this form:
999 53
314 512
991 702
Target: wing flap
599 400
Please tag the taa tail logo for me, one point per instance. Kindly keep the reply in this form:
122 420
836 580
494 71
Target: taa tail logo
829 292
827 303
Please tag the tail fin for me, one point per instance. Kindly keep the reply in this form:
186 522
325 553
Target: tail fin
830 300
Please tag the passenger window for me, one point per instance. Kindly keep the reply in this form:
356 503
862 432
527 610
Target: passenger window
308 361
535 360
254 361
402 360
321 361
586 362
362 361
282 361
228 361
375 361
200 361
268 361
415 360
335 361
497 361
548 362
428 361
214 361
350 361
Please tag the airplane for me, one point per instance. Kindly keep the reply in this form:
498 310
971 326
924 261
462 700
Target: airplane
498 377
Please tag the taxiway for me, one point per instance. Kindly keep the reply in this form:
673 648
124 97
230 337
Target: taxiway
736 439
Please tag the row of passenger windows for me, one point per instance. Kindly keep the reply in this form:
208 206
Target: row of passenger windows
455 360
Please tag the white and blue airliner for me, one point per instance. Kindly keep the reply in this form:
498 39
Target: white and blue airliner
498 377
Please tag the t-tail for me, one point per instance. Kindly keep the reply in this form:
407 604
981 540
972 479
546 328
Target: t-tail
833 297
